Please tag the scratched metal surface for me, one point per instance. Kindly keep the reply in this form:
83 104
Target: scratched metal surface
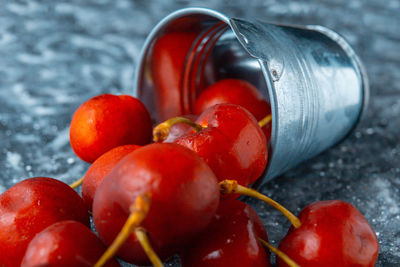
54 55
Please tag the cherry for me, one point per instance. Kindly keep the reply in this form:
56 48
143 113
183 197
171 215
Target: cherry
65 244
231 239
184 198
168 61
228 138
30 206
239 92
100 168
332 233
107 121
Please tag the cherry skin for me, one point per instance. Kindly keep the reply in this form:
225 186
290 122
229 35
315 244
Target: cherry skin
231 142
231 239
332 233
239 92
184 198
100 168
65 244
180 129
30 206
168 61
107 121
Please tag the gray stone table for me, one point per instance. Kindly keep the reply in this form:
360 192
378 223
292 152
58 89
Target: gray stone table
56 54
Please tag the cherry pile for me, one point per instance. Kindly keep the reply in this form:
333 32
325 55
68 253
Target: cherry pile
176 195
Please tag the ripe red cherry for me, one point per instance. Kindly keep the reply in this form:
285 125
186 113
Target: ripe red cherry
231 239
65 244
184 198
231 142
333 233
30 206
107 121
239 92
100 168
168 61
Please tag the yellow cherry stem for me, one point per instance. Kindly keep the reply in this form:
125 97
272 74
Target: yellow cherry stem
139 210
267 119
77 183
144 241
279 253
161 131
232 187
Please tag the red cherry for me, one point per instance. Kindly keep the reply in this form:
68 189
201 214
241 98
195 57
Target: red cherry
65 244
30 206
237 92
107 121
168 61
332 233
184 198
231 142
100 168
231 239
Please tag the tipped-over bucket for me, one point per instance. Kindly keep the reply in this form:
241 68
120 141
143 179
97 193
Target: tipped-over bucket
314 81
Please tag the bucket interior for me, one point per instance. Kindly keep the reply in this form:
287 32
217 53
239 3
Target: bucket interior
185 54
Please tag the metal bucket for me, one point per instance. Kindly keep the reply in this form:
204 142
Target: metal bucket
316 85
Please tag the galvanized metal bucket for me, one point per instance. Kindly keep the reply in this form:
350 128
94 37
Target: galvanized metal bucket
316 84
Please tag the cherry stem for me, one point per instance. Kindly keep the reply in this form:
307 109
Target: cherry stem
267 119
77 183
161 131
139 210
232 187
143 239
279 253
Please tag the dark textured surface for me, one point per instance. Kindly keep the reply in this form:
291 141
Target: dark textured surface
56 55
